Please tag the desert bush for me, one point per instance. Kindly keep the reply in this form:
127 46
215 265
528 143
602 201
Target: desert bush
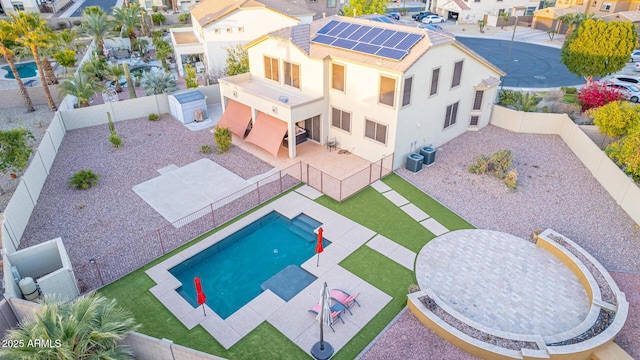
16 146
153 117
498 164
222 137
115 140
184 17
413 288
154 8
616 118
205 149
554 96
625 153
84 179
569 90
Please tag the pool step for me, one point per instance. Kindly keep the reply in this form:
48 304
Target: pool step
305 233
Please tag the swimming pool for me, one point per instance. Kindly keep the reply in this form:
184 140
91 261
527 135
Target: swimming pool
26 70
233 269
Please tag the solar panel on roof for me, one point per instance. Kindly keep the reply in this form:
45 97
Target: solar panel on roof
369 40
384 36
395 39
324 39
344 43
325 29
366 48
408 42
371 35
391 53
359 33
338 29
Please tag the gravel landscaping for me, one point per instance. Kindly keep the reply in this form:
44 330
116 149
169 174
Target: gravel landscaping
554 191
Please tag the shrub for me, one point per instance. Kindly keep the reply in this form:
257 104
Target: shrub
569 90
625 153
205 149
154 8
413 288
115 140
596 94
84 179
153 117
402 11
184 17
15 149
616 118
222 137
190 77
499 164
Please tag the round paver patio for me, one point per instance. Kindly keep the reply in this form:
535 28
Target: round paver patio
502 282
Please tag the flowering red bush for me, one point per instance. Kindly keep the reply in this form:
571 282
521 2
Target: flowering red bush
596 94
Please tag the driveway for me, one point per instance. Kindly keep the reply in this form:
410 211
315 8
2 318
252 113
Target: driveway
530 65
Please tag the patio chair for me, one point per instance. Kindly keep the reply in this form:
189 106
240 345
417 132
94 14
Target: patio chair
332 143
335 313
29 83
344 299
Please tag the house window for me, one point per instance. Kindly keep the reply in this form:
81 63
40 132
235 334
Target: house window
313 1
435 74
148 4
271 68
476 0
406 91
376 131
18 6
530 10
337 77
474 120
291 74
605 7
341 119
457 73
387 90
477 101
331 3
450 117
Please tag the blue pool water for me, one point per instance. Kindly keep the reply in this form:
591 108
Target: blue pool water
26 70
232 270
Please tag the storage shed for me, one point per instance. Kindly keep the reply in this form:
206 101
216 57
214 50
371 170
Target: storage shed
183 106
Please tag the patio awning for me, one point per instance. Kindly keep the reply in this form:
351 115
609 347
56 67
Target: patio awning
267 133
236 117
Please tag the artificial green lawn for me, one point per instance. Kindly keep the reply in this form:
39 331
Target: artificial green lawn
368 208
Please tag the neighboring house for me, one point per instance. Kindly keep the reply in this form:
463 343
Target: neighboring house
37 6
218 24
419 88
471 11
609 10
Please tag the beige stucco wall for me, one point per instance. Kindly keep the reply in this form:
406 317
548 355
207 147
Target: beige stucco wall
485 7
623 190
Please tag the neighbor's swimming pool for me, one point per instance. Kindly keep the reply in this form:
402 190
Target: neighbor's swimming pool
25 70
233 269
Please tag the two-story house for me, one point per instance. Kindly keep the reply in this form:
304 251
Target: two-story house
374 88
471 11
219 24
609 10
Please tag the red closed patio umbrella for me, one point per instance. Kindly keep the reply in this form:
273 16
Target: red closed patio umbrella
319 247
201 296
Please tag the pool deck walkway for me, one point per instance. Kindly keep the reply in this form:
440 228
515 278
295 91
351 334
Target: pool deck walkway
291 317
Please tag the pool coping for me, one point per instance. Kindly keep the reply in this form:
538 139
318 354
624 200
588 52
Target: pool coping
291 318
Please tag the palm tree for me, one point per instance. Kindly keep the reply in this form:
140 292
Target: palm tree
115 72
32 31
96 25
523 101
91 327
94 68
158 82
163 50
129 18
81 86
8 35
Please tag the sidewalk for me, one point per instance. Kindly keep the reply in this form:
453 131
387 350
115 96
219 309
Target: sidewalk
522 34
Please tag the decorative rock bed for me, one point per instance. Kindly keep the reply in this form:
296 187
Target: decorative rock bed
606 315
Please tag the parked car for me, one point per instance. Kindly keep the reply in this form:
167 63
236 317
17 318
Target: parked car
434 27
394 16
627 78
421 15
636 66
631 92
430 19
635 55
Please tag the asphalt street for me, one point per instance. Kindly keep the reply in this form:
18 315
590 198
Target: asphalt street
530 66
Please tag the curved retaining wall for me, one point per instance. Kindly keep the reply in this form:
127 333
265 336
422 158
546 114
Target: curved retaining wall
586 268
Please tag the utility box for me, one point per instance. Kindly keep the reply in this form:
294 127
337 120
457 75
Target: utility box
414 162
429 154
